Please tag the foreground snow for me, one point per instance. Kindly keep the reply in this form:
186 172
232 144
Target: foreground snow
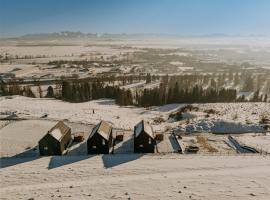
136 177
18 137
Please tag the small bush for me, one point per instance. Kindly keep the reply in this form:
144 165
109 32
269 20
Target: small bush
176 115
266 127
264 119
158 120
211 111
189 108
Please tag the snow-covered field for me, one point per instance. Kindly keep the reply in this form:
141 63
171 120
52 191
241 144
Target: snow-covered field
17 137
120 117
18 69
228 117
136 177
59 51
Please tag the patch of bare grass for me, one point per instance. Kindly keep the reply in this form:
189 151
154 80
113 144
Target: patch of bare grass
204 143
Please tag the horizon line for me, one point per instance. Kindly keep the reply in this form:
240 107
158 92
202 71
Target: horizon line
100 34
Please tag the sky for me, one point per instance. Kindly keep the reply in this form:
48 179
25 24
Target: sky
182 17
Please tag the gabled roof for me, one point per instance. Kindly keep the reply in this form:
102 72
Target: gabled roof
59 130
103 129
144 126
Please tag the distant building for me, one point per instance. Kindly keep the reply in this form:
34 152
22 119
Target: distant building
144 138
56 140
100 139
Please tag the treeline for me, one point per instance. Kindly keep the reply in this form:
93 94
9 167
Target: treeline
86 91
15 89
172 89
196 94
25 90
164 94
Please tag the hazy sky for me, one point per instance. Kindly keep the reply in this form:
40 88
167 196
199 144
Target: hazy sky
185 17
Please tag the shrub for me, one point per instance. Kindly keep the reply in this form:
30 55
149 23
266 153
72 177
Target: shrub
264 119
211 111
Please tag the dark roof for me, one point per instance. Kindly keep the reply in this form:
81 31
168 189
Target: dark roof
59 130
144 126
103 129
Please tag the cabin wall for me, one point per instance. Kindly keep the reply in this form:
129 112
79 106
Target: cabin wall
48 146
98 145
144 144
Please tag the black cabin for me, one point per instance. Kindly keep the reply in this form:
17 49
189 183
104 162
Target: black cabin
100 139
55 141
144 138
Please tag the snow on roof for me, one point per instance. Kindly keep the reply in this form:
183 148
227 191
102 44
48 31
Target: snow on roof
144 126
103 129
94 130
148 129
138 129
59 130
56 133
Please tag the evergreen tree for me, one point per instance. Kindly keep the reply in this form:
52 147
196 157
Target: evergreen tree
175 94
28 92
256 96
50 92
248 85
265 98
148 78
236 79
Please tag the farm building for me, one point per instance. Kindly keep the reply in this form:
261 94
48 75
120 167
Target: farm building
100 139
144 138
56 140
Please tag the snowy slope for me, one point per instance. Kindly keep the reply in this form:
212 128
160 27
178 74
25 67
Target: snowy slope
121 117
229 117
137 177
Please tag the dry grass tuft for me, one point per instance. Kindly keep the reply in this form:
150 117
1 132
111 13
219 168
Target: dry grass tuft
203 142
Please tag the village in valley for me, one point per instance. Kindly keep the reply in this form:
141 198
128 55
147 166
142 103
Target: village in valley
122 108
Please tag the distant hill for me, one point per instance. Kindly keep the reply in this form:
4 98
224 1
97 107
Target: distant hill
61 35
79 35
69 35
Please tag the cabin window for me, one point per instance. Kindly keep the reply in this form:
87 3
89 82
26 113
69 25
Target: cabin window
103 142
45 148
94 147
141 146
149 141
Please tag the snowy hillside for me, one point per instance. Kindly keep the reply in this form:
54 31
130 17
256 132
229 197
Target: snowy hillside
136 177
227 117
